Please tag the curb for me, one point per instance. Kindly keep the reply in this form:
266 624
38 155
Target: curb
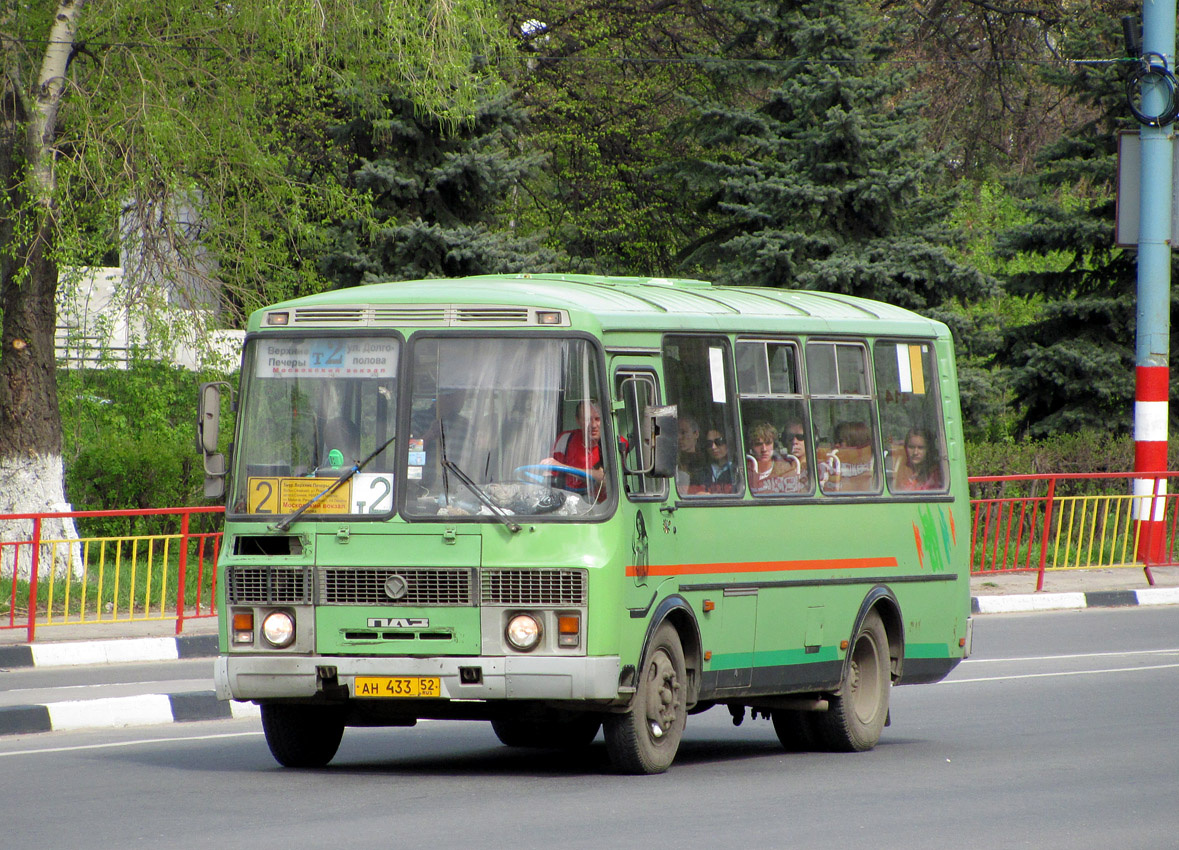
117 712
1028 602
115 651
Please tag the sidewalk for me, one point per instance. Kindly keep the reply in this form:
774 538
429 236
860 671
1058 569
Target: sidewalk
1073 589
117 643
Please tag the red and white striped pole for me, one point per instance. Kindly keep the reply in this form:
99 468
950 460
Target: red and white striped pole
1150 456
1153 313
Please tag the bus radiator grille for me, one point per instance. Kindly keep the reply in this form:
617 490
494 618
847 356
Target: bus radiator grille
533 587
268 585
413 586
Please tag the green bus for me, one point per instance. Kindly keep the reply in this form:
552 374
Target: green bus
567 503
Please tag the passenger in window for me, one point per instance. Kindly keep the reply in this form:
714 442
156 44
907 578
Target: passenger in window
762 462
581 449
690 457
854 467
716 476
794 442
920 468
769 471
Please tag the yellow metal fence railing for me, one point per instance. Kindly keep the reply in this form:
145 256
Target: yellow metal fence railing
165 570
1029 523
64 579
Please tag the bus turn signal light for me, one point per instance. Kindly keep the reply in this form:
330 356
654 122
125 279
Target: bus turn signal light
568 630
243 626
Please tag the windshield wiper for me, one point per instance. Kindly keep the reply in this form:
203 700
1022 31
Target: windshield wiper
497 511
285 523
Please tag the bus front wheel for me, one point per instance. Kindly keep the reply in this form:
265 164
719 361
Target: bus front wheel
302 735
857 714
645 739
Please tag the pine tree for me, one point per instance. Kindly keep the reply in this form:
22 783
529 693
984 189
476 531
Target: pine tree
441 197
1073 366
816 175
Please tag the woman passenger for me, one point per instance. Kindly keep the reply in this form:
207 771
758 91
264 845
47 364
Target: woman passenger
921 468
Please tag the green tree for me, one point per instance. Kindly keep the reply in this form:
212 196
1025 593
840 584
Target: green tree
604 83
117 111
439 196
1072 365
815 173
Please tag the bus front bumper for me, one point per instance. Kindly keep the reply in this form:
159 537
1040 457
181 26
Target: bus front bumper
254 677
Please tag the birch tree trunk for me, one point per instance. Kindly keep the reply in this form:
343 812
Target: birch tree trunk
31 469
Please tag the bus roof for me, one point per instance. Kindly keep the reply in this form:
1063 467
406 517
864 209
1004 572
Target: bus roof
609 303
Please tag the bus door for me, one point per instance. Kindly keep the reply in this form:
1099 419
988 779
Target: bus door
637 389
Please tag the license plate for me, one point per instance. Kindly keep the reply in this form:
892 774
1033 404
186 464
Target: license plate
397 686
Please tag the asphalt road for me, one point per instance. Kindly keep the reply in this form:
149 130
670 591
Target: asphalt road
1060 733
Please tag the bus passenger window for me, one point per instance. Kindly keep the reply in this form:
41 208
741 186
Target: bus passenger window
846 451
773 412
696 373
910 416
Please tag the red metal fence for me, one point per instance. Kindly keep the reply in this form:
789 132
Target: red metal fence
1041 523
158 566
162 568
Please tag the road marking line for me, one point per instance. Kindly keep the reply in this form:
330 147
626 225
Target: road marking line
1061 673
79 747
1077 655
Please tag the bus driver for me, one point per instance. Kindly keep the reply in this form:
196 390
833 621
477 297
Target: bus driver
581 448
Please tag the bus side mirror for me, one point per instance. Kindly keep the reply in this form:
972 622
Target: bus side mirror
209 417
214 476
664 439
208 430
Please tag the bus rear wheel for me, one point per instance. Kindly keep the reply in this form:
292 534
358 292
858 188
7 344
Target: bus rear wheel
558 731
795 729
857 714
302 735
646 738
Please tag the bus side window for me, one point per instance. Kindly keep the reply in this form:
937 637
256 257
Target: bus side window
847 452
777 452
697 372
910 416
637 390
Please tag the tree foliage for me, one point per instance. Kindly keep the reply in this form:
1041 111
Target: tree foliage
437 196
814 173
1072 366
605 83
194 136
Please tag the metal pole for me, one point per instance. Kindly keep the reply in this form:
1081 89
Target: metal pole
1154 287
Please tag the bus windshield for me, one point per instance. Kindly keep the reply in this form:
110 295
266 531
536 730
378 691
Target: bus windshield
498 427
509 424
313 408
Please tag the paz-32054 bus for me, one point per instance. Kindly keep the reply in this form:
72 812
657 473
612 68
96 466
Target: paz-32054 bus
566 504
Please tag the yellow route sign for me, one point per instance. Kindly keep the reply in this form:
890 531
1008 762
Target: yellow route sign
283 495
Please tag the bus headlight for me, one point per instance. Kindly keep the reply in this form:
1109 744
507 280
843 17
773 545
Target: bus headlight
278 628
523 632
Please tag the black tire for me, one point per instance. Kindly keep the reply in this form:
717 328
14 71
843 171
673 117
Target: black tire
795 729
646 738
857 714
558 731
302 735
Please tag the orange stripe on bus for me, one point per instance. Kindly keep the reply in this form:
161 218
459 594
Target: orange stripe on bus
764 566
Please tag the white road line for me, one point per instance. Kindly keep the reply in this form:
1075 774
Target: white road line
1077 655
138 743
1061 673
